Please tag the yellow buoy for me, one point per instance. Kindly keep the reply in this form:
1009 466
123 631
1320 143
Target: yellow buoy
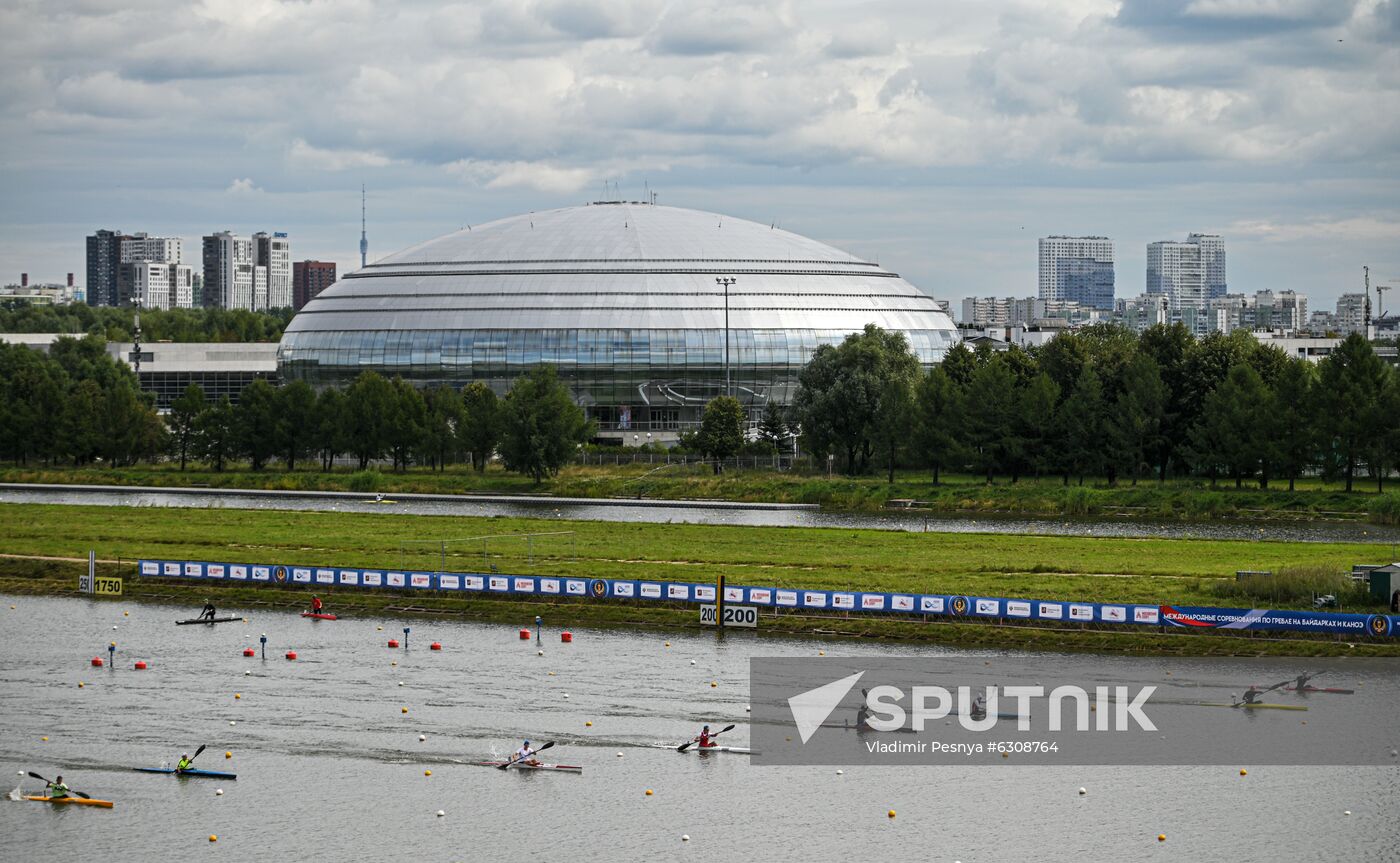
427 773
1161 837
124 613
80 684
668 644
648 792
1244 772
891 813
238 695
713 684
588 725
45 739
228 754
403 709
213 838
821 653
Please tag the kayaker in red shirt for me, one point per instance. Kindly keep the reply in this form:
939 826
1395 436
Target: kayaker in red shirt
316 605
704 738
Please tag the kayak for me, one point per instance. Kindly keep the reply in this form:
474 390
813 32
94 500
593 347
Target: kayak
203 620
738 750
1252 706
1331 689
212 774
318 616
76 801
566 768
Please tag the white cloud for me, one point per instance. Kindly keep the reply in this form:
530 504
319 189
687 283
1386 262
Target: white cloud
304 155
242 187
527 175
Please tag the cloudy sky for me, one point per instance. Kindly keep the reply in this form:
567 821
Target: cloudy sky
939 137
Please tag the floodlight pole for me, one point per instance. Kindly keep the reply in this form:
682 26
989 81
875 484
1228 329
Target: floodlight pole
726 281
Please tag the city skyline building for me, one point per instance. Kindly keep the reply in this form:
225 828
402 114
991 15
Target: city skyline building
1212 263
1078 269
273 251
104 258
1174 271
310 278
228 271
157 250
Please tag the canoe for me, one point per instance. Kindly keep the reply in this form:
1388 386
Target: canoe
737 750
215 620
566 768
318 616
1252 706
1332 689
76 801
193 771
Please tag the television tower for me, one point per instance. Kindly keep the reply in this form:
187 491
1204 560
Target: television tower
364 243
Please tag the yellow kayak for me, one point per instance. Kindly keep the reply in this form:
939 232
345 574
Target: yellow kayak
76 801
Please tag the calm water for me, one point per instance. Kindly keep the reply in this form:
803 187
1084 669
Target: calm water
330 768
700 514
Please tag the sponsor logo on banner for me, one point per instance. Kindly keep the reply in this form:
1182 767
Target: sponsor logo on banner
150 567
622 588
498 582
814 599
349 576
651 591
524 585
678 591
238 571
325 576
901 603
170 568
301 574
704 591
960 605
760 594
787 597
598 588
474 582
214 570
1015 608
1052 610
1114 613
549 585
733 594
421 579
1081 612
395 579
931 604
1378 624
843 600
989 606
261 573
575 587
872 601
449 582
1142 614
192 570
372 579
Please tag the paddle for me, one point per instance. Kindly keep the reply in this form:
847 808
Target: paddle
684 746
47 782
516 760
195 755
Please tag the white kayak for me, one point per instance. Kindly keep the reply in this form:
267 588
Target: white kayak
566 768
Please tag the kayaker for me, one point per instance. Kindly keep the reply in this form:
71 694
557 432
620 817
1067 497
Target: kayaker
979 707
863 712
1251 695
704 738
524 755
208 612
56 788
184 764
1301 682
316 605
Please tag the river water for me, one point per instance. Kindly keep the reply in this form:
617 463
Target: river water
1278 531
331 768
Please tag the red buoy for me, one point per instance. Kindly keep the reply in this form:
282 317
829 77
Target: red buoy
524 635
141 666
291 654
393 642
436 645
248 651
566 637
97 662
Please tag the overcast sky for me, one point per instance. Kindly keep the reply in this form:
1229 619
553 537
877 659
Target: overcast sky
939 137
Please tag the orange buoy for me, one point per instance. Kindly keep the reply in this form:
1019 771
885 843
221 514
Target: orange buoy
97 662
393 642
566 637
524 635
436 645
248 651
141 666
291 654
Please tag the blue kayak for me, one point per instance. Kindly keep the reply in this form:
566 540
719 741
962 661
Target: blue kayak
211 774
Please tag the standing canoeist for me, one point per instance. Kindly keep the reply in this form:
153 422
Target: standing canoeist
208 612
704 739
316 605
184 763
56 788
525 755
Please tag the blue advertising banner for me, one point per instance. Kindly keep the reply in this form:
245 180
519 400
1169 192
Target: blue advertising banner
950 605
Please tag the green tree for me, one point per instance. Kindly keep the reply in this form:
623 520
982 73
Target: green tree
959 364
296 420
937 420
1351 380
482 422
255 423
1229 433
368 411
80 429
542 428
1037 412
331 431
441 424
1384 450
990 418
1168 346
721 430
1135 426
1082 422
403 434
772 426
216 433
181 419
1291 423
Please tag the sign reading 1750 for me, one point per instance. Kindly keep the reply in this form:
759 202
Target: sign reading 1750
734 615
101 585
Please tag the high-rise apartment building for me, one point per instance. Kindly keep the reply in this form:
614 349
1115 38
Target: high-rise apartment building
1189 274
274 252
152 274
310 278
1212 263
104 258
228 271
156 250
1078 269
986 311
1351 313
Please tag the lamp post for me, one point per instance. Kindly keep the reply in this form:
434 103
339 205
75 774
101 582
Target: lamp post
726 281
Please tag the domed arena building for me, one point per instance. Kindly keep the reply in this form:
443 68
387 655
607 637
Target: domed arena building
625 299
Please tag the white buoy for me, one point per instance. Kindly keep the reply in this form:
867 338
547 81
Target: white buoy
539 653
692 662
114 629
685 837
231 722
1346 812
840 773
619 755
748 709
1082 792
400 683
218 792
566 695
247 673
441 813
422 737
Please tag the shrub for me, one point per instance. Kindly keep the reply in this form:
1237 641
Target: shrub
1296 586
365 480
1385 509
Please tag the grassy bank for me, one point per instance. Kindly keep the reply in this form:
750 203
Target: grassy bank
1178 499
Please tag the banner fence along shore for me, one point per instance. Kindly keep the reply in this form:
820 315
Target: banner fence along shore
983 608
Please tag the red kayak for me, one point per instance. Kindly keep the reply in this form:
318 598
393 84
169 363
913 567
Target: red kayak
1334 690
318 616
